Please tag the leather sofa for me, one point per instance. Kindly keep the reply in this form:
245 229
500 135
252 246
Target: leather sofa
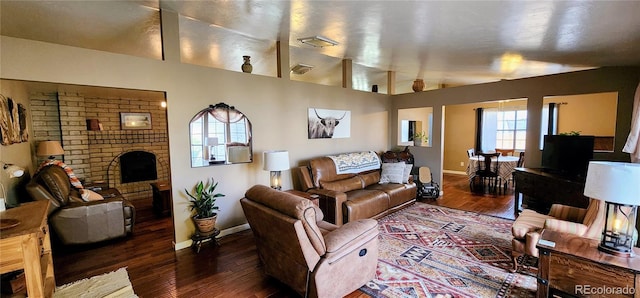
347 197
75 221
313 257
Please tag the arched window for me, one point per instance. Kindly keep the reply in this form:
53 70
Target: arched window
220 134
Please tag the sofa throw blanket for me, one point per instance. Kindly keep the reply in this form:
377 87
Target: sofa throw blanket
72 177
356 162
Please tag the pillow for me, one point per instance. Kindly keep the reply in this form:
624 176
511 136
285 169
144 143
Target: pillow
407 173
392 172
90 195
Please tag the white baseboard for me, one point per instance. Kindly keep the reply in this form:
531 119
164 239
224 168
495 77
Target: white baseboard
225 232
454 172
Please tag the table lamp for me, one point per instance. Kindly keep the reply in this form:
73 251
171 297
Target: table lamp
276 161
211 142
49 149
616 183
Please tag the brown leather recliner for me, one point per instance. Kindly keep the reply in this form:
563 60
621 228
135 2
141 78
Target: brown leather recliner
315 258
75 221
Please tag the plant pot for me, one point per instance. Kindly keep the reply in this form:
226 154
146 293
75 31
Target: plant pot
205 226
417 142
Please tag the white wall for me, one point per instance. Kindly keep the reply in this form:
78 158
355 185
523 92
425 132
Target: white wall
276 107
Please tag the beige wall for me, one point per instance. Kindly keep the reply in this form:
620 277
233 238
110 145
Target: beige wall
277 109
19 153
460 130
590 114
622 80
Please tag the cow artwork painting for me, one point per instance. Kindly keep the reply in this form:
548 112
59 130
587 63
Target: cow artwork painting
324 124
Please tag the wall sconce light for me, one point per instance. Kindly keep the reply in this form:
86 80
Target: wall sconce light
276 161
616 183
12 170
49 149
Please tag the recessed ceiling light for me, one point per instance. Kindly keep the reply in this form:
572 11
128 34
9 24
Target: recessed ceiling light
301 68
318 41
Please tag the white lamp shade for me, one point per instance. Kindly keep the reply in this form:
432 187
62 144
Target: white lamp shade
14 171
212 141
49 148
613 182
276 160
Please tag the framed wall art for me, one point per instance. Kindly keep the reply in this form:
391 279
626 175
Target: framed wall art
326 124
135 120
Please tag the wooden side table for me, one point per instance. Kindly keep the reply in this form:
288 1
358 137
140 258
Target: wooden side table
27 246
161 198
574 266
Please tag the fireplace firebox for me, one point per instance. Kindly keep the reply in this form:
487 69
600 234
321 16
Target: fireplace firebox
138 166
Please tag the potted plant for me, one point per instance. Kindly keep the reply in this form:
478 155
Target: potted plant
203 204
420 137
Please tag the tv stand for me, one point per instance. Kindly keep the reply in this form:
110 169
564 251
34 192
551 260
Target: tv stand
540 189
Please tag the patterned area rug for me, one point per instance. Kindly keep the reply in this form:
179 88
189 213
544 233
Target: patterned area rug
114 284
433 251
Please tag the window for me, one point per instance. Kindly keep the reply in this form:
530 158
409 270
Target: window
504 128
220 134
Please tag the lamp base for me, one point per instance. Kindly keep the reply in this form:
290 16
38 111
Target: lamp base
616 252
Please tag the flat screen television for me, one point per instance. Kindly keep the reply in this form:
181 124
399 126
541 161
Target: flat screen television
567 155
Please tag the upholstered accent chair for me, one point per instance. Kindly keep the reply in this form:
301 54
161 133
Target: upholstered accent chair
313 257
527 228
75 220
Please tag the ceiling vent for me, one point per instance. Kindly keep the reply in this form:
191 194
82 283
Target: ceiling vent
318 41
301 68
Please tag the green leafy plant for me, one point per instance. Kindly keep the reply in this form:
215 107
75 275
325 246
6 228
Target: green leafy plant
203 199
571 133
421 136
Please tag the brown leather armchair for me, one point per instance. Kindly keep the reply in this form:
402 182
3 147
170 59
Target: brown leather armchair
75 221
313 257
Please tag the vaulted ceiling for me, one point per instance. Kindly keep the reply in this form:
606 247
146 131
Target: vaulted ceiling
443 42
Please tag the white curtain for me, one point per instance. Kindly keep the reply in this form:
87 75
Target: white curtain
633 141
489 126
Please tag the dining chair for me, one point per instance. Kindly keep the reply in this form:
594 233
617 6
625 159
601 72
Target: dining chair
521 160
506 152
471 152
486 173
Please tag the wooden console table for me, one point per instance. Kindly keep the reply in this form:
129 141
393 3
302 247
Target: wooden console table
574 267
540 190
27 246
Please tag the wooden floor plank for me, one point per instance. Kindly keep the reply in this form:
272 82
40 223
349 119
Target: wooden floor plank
232 269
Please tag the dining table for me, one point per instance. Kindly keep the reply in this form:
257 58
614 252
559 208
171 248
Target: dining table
506 164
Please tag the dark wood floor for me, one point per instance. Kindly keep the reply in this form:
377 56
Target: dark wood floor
229 270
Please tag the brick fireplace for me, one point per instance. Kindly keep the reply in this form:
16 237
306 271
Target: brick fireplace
95 155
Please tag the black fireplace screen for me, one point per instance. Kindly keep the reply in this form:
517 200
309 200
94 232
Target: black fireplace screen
138 166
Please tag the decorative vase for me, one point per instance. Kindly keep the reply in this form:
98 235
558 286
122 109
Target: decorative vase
418 85
246 66
205 226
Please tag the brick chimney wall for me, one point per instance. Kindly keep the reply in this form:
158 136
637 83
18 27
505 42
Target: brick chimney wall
93 155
